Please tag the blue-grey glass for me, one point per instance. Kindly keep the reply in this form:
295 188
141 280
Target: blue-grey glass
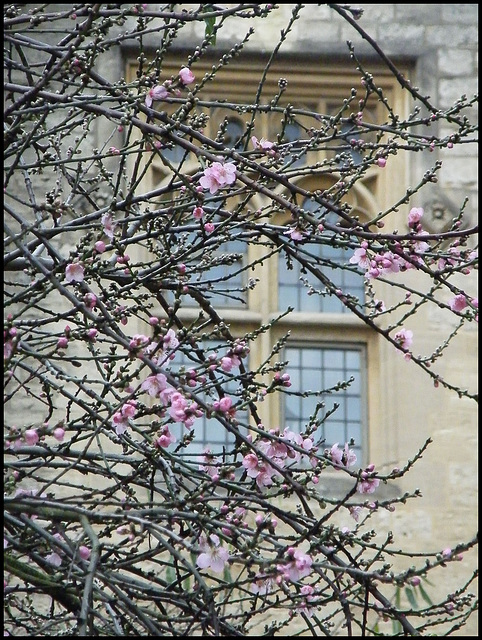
292 133
335 432
353 408
352 359
291 288
317 368
234 132
334 359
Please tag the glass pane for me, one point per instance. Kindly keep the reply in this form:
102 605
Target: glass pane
289 296
334 359
209 432
334 432
294 356
350 282
311 358
292 133
309 368
234 133
353 408
352 359
355 386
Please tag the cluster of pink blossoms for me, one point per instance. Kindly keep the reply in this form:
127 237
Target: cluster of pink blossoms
299 565
342 458
379 264
210 464
180 408
306 605
162 91
160 351
368 483
217 176
279 452
120 419
55 558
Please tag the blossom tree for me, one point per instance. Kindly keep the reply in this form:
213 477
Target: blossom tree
116 522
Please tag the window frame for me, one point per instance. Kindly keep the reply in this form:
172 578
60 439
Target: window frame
309 80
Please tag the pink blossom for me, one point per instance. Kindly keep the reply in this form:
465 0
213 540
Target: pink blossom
109 225
225 405
250 463
54 559
84 552
99 246
379 306
120 419
296 438
388 262
307 591
92 334
186 75
263 584
228 362
381 162
360 257
7 349
74 272
209 227
342 457
59 434
420 246
129 409
262 472
165 438
209 464
170 340
31 437
62 343
181 411
138 341
367 483
404 337
299 567
295 234
198 212
213 555
355 512
283 379
414 216
90 300
274 449
159 92
120 423
218 175
154 385
458 303
263 145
